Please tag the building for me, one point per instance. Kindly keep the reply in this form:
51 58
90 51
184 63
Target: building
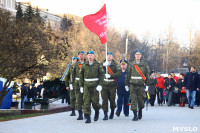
53 19
8 5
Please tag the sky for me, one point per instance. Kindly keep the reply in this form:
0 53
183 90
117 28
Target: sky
141 17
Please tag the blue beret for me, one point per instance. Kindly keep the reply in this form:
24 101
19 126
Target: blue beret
90 52
171 72
111 53
138 51
75 58
81 52
123 61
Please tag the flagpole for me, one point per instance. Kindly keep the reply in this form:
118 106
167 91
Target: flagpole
106 57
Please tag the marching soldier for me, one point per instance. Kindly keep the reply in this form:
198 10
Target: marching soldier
79 95
91 76
109 85
137 76
70 86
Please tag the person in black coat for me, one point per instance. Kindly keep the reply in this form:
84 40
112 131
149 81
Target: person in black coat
191 81
170 84
33 92
152 88
197 102
39 89
181 90
24 93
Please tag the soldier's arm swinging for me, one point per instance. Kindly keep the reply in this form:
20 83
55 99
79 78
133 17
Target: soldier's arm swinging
101 75
81 76
147 75
67 78
117 74
128 76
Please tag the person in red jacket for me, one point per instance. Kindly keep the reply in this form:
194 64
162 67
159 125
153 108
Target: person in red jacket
160 87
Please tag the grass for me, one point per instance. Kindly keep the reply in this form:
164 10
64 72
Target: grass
13 117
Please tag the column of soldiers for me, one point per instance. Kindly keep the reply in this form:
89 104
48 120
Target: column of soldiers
87 79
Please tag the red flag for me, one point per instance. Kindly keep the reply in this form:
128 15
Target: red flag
97 23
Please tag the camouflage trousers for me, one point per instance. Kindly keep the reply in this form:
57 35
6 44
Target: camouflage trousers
72 98
90 96
79 98
137 94
108 93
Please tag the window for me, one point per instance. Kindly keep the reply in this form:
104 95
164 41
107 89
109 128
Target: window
2 2
11 4
7 3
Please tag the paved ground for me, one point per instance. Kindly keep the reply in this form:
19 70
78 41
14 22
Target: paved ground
157 119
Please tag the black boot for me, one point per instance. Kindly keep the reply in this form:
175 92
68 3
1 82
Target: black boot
135 118
117 114
73 112
96 116
80 117
88 120
111 114
105 115
140 114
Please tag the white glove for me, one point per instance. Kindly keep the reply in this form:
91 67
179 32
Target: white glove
71 87
105 64
107 76
81 89
147 88
99 88
127 88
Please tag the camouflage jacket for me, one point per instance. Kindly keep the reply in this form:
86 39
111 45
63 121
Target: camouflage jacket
77 67
133 73
69 78
91 72
116 73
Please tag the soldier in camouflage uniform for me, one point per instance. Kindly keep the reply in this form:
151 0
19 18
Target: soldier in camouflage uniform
79 95
91 76
109 85
69 85
137 82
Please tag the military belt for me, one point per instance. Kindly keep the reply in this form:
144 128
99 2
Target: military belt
136 77
77 78
109 80
93 79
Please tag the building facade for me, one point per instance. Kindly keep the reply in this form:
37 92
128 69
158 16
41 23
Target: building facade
8 5
53 19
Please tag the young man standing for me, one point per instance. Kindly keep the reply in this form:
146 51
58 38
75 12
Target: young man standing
69 83
109 85
122 93
79 94
91 77
191 81
137 77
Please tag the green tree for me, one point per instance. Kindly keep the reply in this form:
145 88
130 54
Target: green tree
65 24
19 13
38 17
29 13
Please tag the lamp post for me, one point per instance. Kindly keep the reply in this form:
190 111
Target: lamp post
126 51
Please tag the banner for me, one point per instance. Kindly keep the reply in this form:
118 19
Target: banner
97 23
